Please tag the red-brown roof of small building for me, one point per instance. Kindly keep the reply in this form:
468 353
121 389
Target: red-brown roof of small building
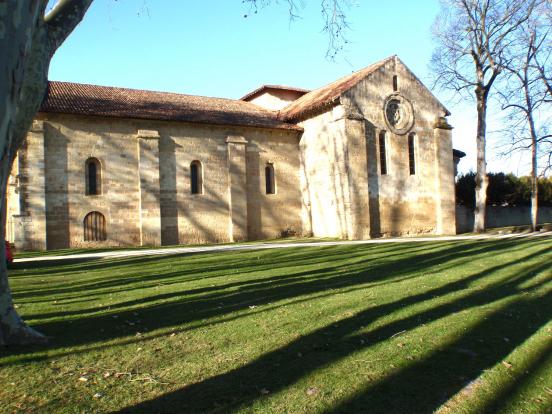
263 88
84 99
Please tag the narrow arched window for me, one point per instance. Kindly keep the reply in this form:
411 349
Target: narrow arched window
412 153
94 227
382 153
196 178
93 176
270 181
395 83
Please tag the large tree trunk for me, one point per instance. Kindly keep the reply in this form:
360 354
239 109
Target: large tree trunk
12 328
22 85
28 41
481 179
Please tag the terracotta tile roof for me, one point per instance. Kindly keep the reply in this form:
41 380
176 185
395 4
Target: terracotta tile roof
261 89
83 99
327 95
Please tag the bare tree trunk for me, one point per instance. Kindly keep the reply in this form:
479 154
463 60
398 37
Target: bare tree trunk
481 180
22 86
534 177
20 22
28 41
12 328
534 192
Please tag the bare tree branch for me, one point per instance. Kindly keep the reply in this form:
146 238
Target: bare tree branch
334 16
63 19
523 94
473 37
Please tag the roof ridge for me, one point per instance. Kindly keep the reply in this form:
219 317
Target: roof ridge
272 86
121 88
112 101
328 93
373 66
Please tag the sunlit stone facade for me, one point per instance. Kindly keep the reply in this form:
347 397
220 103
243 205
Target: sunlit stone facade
369 155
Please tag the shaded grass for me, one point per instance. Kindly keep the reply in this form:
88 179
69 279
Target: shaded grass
389 328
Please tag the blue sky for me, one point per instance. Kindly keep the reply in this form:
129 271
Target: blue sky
209 48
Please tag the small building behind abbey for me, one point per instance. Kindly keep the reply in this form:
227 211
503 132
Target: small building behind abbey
368 155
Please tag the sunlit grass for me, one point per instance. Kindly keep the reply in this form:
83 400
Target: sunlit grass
19 254
392 328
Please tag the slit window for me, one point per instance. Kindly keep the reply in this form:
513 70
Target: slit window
93 173
94 227
395 83
382 153
196 177
270 179
411 154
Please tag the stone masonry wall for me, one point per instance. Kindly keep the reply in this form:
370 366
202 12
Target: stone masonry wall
401 203
275 99
145 183
27 206
324 178
328 180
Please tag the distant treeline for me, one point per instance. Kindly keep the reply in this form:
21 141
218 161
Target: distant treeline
503 190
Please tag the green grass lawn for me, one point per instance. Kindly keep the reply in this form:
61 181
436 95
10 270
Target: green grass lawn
448 327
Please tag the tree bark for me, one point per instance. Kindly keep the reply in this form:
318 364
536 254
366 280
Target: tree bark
12 328
534 191
28 42
20 92
530 59
534 171
481 180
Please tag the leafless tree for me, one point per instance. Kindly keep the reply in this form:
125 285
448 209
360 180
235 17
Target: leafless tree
29 36
525 94
472 37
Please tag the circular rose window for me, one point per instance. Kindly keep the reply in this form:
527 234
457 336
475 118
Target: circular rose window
398 114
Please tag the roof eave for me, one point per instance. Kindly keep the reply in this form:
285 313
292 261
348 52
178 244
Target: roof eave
253 94
282 126
311 111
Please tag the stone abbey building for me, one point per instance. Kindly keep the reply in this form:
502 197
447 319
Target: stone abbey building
366 156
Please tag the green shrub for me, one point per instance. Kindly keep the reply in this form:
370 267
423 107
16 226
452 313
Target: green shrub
503 190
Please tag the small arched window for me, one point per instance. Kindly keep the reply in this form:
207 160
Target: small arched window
196 178
93 176
412 153
395 83
382 153
270 180
94 227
